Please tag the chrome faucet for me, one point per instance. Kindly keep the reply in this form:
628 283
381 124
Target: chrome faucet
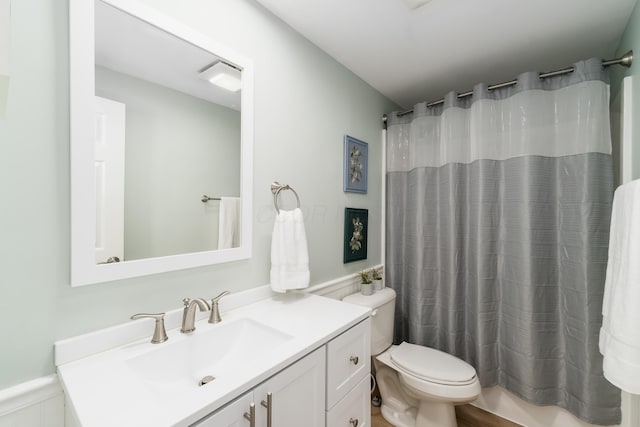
189 313
214 317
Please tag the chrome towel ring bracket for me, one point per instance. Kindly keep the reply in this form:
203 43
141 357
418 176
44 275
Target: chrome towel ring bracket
276 188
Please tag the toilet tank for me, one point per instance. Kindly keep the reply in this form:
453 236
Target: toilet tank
383 305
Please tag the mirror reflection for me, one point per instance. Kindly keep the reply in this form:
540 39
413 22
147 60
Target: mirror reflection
167 133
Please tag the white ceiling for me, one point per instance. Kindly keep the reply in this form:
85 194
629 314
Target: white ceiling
128 45
419 55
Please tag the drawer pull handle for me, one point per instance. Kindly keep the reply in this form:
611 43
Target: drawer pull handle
269 405
354 423
251 415
355 360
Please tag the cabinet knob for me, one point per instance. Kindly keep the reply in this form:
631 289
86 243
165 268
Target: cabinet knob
353 422
355 360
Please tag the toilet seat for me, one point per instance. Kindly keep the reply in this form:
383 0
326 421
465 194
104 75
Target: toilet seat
432 365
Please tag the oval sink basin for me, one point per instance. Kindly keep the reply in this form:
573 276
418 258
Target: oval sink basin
193 360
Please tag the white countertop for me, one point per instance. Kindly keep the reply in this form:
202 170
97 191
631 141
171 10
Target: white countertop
103 390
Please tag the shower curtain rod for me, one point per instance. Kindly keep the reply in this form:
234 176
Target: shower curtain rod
625 60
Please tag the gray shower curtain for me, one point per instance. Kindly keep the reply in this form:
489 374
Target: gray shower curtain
498 211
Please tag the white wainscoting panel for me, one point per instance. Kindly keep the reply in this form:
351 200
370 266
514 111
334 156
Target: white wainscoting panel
342 286
36 403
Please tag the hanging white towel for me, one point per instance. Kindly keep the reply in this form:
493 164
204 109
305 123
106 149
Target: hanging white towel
228 230
620 332
289 254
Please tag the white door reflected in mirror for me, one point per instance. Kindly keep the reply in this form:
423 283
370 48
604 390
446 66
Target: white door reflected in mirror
109 167
180 136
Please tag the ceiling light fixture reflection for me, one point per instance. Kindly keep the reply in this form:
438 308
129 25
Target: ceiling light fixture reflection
223 75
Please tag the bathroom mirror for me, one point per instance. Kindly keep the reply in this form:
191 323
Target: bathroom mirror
161 144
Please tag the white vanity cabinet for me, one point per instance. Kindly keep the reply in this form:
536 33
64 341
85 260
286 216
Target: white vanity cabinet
310 354
297 399
328 387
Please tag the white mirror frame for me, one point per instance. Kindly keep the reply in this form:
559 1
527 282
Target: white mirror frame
84 270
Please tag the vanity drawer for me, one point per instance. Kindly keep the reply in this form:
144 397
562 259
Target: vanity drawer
354 409
348 361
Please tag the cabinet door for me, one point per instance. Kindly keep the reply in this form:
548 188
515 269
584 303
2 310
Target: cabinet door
348 361
297 394
231 415
354 409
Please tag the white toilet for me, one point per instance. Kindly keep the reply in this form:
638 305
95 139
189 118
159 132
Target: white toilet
419 386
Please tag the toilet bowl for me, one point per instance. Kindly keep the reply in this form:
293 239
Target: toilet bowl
433 380
419 385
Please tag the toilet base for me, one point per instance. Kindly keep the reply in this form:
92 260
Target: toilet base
429 414
436 414
398 419
398 408
404 407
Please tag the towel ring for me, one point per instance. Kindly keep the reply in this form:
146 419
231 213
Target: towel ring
276 188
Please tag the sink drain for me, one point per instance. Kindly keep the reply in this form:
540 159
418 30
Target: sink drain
206 380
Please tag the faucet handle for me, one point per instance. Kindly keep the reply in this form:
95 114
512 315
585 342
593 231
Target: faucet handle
214 317
219 297
159 333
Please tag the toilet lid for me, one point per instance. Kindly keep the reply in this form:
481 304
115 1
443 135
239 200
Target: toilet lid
432 365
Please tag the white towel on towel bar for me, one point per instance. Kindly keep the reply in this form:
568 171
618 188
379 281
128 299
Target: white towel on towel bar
289 253
620 332
228 221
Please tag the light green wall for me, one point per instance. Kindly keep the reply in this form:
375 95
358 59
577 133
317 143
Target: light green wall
178 147
630 41
304 103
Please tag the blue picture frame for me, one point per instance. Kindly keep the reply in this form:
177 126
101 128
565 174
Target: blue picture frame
356 163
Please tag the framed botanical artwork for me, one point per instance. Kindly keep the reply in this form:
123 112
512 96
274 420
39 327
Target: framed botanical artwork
356 157
356 222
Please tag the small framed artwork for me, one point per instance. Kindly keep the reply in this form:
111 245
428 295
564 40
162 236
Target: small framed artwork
356 222
356 157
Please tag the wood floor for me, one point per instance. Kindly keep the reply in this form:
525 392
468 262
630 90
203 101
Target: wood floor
467 415
470 416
